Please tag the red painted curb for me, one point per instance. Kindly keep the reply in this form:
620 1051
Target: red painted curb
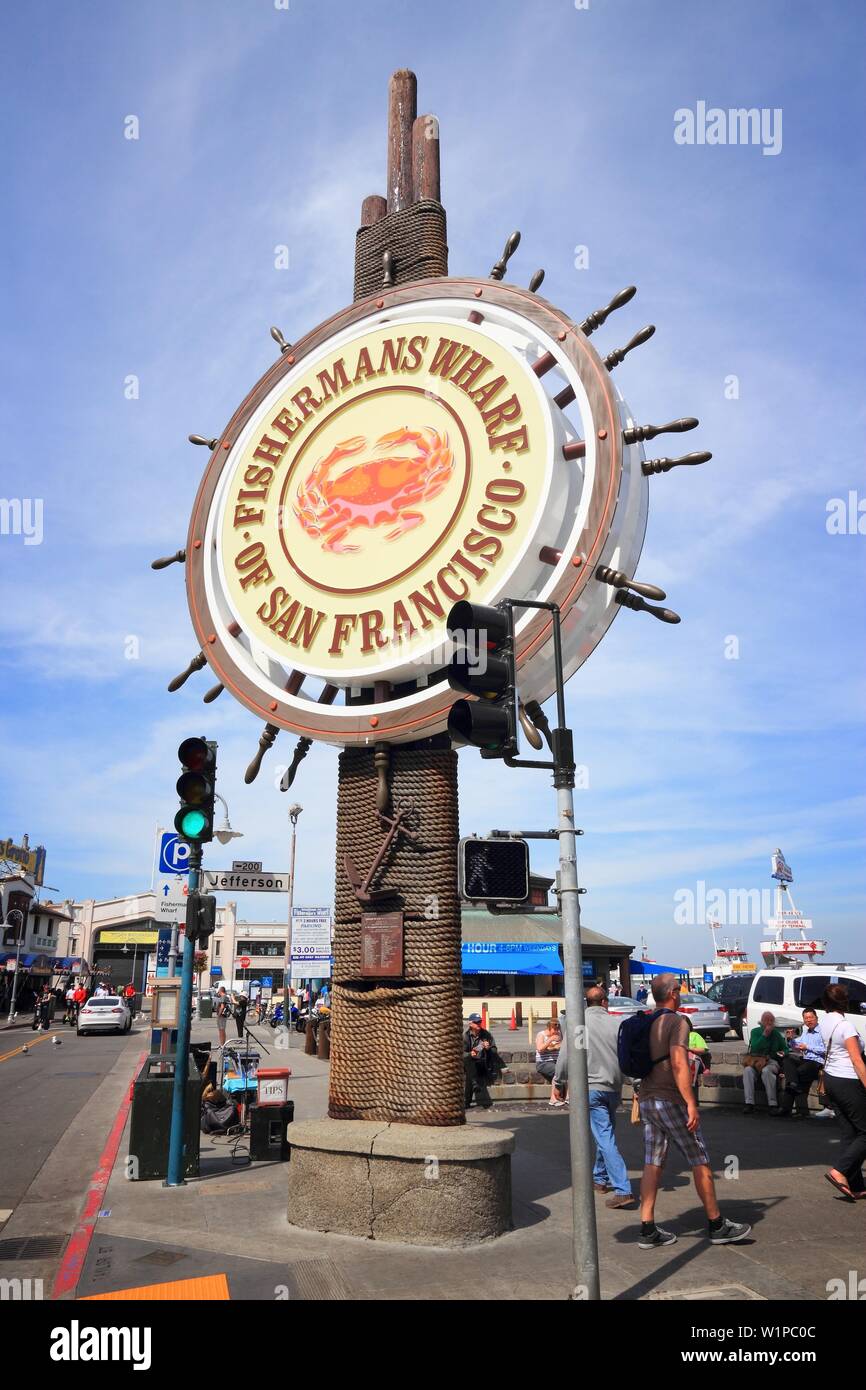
79 1242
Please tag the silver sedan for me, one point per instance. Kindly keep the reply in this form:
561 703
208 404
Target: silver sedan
623 1005
705 1016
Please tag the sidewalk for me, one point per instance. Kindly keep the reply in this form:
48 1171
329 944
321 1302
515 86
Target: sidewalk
231 1221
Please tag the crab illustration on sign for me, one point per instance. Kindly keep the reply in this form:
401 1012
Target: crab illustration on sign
375 492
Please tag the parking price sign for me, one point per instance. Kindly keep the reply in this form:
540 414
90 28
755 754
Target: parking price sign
311 943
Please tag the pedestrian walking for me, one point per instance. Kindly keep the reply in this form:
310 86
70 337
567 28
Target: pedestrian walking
767 1050
641 994
42 1009
845 1085
654 1047
801 1066
240 1004
69 1015
78 998
223 1013
610 1173
480 1056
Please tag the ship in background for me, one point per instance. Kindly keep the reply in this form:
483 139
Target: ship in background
787 940
792 942
729 958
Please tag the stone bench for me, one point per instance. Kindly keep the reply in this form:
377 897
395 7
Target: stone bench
721 1086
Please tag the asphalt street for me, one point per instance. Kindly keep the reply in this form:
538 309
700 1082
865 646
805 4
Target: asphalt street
42 1092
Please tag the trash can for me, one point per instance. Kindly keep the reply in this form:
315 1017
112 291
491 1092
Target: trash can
205 1006
150 1121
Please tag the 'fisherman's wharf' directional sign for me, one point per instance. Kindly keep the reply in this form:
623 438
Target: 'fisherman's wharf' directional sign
441 440
409 453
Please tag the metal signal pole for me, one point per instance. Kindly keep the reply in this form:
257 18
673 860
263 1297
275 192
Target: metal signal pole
174 1177
584 1232
294 812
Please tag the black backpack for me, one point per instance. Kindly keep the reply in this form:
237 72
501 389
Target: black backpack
633 1045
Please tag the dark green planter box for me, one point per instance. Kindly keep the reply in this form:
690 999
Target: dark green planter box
150 1122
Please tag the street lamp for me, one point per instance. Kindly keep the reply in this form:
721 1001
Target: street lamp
225 832
16 912
294 812
19 925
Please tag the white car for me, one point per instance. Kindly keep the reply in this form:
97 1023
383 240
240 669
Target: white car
786 990
105 1014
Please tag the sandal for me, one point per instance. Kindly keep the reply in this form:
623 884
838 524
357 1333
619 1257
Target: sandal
841 1187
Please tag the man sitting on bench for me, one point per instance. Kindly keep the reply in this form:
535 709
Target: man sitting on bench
801 1066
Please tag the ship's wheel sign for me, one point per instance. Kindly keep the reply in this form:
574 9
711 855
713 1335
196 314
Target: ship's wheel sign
451 439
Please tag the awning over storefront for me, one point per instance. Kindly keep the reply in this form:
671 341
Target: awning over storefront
511 958
36 964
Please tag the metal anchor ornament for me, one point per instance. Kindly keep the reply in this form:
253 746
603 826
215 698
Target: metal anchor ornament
365 894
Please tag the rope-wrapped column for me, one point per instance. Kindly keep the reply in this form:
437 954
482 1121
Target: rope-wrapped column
396 1049
396 1043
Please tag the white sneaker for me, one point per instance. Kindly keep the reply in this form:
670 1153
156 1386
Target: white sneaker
825 1114
557 1104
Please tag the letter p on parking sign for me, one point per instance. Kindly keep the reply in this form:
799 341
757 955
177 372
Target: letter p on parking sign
173 854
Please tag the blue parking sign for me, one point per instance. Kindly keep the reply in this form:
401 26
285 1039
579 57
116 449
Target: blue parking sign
173 854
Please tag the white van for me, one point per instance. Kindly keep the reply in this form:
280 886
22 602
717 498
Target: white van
786 990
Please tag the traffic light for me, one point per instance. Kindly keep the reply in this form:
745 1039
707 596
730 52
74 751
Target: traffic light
200 917
196 788
494 870
484 667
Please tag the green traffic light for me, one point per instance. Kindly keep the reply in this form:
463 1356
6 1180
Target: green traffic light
192 823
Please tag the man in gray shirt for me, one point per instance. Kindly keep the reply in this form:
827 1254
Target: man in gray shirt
610 1173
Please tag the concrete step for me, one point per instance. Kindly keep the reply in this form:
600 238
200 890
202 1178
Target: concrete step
521 1091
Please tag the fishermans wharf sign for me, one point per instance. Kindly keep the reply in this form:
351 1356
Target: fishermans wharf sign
408 454
388 482
31 861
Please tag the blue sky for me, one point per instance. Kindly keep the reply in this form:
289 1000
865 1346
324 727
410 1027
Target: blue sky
155 257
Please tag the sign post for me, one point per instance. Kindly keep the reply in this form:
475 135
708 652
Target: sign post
439 440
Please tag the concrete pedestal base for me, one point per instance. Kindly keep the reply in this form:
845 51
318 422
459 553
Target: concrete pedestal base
419 1184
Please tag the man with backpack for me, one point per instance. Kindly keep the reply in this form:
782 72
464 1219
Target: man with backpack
654 1047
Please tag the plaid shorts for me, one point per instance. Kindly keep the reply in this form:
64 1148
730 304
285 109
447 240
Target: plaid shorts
664 1120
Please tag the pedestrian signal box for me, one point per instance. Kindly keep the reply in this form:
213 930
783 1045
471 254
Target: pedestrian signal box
494 870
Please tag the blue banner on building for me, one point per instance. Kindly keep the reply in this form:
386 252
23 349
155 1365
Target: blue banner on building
511 958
